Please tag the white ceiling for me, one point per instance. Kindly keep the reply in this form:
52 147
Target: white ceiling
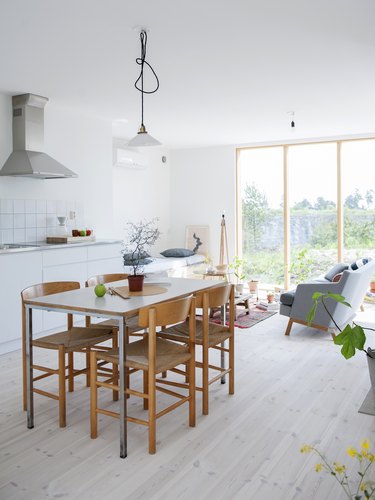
229 70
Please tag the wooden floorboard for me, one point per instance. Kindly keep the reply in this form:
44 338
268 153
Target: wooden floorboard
289 391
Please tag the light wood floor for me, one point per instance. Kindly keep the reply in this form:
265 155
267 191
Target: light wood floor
289 391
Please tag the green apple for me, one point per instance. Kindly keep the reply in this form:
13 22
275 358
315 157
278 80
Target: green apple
82 233
100 290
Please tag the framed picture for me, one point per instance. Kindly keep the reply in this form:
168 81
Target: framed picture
197 238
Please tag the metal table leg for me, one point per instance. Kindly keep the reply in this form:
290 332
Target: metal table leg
29 371
122 396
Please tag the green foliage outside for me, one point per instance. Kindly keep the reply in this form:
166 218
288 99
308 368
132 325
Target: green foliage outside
314 219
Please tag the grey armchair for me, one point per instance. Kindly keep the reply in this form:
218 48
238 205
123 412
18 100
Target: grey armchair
352 284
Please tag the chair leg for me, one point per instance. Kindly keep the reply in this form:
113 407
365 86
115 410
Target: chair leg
145 390
289 326
151 412
88 350
93 396
70 372
231 364
192 408
205 380
115 369
24 370
62 393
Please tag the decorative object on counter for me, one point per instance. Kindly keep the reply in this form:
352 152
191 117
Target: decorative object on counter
69 239
143 138
141 236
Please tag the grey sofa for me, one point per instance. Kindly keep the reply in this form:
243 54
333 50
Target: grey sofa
352 284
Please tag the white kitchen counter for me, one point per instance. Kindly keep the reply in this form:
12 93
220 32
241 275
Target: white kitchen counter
23 267
37 246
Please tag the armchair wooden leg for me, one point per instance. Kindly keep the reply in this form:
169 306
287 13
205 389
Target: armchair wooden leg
289 326
93 396
62 393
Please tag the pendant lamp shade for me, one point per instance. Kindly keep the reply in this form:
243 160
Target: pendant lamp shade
143 138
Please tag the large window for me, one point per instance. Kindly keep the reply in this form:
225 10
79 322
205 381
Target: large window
303 207
261 199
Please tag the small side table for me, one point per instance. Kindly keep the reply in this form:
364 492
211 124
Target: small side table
243 299
218 274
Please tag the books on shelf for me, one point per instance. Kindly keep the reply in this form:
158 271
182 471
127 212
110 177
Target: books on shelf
268 306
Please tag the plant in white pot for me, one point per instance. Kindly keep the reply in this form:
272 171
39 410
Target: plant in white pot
352 337
140 237
237 266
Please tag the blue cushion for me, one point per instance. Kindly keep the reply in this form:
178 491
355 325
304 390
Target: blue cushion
177 252
337 269
130 259
287 298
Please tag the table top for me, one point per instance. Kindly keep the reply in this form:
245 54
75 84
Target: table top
84 300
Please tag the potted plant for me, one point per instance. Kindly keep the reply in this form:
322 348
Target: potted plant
237 265
351 338
141 236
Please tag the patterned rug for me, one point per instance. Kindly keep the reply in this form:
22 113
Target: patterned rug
247 320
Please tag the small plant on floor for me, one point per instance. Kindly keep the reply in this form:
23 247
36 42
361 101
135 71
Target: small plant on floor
352 337
356 489
237 266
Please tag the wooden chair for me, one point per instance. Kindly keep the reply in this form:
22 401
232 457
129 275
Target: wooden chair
153 355
74 339
210 335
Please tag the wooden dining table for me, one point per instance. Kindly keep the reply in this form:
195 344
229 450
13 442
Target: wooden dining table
84 302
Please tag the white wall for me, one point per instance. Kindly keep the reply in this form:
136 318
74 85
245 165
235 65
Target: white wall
144 194
82 143
203 184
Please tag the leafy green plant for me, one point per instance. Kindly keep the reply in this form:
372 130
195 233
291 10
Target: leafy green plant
302 266
352 337
237 266
356 489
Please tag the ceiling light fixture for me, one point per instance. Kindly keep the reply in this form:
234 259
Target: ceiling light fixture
143 138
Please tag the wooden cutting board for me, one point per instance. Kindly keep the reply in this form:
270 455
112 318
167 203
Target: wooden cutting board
69 239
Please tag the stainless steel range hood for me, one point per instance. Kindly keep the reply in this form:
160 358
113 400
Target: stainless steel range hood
28 158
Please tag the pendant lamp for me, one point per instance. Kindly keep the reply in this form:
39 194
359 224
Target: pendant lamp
143 138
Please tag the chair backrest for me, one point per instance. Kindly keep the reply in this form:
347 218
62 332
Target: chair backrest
217 296
50 288
167 313
100 279
42 289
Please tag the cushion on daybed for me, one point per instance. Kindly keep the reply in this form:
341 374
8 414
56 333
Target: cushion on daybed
358 263
177 252
336 269
130 259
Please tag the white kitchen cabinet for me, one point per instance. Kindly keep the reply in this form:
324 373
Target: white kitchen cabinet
21 269
17 271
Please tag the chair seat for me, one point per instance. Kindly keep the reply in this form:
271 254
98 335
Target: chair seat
168 355
216 333
74 339
131 324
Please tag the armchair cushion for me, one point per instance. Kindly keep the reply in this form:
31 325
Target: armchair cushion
287 298
337 269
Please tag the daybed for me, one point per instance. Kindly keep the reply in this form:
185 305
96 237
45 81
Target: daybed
171 266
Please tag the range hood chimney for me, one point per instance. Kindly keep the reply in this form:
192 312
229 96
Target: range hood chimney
28 158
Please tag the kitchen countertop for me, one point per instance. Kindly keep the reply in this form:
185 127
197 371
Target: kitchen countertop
7 248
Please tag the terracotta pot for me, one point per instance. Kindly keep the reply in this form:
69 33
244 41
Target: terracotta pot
136 282
372 286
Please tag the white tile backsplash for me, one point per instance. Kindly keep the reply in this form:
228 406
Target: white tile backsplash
19 235
30 206
6 235
31 220
6 206
19 206
41 220
51 206
41 206
19 221
6 221
30 234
